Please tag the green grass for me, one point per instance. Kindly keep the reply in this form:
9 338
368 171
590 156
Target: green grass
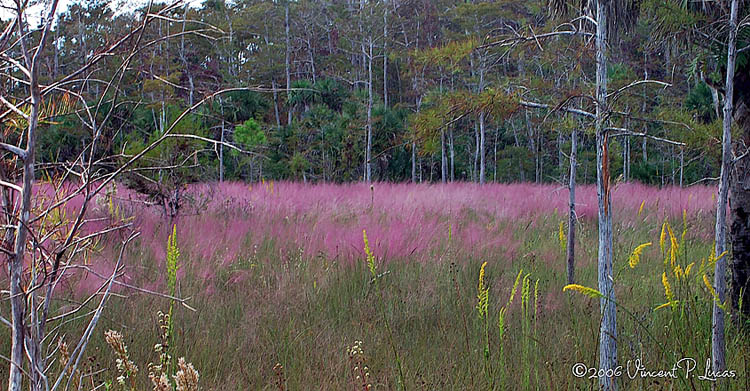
303 312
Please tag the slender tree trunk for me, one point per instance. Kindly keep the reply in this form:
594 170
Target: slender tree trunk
494 160
474 172
572 207
385 54
740 215
311 52
419 169
452 154
443 158
286 60
481 148
368 165
414 162
682 164
608 327
276 103
16 262
221 146
718 361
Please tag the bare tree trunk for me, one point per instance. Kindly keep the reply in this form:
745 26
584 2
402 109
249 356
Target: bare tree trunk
23 216
414 162
494 165
273 82
608 328
474 172
443 158
368 164
572 207
286 60
419 170
221 146
276 102
740 216
385 54
718 351
183 57
452 154
682 164
481 148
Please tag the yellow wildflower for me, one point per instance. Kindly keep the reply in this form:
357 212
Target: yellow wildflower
667 288
370 255
482 294
688 268
710 287
635 257
561 236
515 287
678 273
590 292
667 304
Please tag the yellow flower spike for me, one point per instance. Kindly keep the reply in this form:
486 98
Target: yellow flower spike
673 247
370 255
536 298
482 294
640 210
710 287
590 292
515 287
684 226
688 268
481 276
635 257
667 288
561 236
678 273
721 256
667 304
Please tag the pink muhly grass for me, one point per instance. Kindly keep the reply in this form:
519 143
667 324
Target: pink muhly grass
403 221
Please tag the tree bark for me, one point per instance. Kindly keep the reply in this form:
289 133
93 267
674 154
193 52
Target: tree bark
608 328
481 148
452 154
443 158
286 60
368 164
740 215
718 350
385 54
414 162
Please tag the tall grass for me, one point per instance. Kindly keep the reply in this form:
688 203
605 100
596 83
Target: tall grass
283 287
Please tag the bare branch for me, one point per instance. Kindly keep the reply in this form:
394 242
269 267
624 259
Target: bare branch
11 185
615 94
81 347
14 149
626 132
546 106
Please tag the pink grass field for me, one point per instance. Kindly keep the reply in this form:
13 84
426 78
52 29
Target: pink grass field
229 222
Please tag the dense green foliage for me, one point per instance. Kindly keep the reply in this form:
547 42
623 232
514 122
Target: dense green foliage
432 76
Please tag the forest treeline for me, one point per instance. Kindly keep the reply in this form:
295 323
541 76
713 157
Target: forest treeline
391 90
